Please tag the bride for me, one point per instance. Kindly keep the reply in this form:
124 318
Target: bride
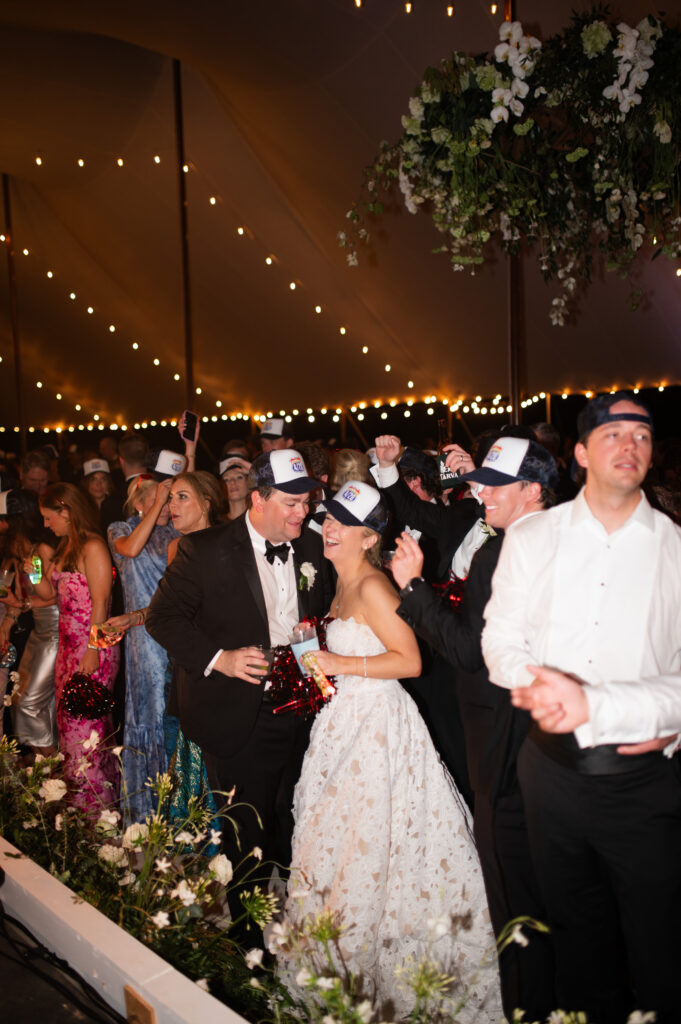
382 838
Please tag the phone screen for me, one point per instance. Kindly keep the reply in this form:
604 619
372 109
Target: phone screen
190 421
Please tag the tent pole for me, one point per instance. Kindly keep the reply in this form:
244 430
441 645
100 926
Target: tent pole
184 235
14 311
513 305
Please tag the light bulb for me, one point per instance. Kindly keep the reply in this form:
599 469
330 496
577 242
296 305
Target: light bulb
318 309
341 330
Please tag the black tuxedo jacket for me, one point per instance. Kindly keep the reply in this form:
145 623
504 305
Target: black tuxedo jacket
210 598
447 525
494 729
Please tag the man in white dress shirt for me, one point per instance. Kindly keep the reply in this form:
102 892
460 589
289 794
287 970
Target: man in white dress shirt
584 624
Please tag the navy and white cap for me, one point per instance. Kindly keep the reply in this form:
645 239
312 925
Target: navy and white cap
357 504
284 470
95 466
273 428
599 411
234 460
511 459
169 464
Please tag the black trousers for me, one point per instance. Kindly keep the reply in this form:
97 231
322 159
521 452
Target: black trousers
512 889
264 772
607 851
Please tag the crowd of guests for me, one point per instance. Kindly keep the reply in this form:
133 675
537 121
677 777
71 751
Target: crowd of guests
476 601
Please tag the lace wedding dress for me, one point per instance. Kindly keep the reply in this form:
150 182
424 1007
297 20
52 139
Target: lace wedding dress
383 839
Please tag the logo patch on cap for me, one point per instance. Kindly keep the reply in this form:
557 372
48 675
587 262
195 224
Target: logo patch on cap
350 493
494 453
297 465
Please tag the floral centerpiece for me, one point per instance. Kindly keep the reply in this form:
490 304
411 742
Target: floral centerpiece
570 145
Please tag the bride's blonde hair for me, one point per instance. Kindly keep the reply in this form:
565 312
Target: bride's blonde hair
374 554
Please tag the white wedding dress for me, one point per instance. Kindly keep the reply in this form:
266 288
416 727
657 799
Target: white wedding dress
382 837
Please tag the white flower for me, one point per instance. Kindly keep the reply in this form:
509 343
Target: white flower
202 983
162 864
663 131
254 983
92 742
184 838
135 835
416 108
303 978
15 678
221 867
52 789
499 114
215 836
8 700
254 958
127 879
518 936
117 751
59 822
326 984
511 30
438 926
519 88
502 96
161 919
279 936
113 855
31 823
501 52
107 822
637 1017
183 892
308 571
516 107
364 1011
256 852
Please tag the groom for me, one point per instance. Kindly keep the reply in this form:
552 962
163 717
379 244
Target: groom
228 589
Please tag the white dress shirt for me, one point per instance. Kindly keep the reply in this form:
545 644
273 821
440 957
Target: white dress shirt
605 607
278 581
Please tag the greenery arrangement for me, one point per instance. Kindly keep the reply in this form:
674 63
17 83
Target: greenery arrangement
162 882
571 146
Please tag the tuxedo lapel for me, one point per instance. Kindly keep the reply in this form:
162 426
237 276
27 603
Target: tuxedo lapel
245 558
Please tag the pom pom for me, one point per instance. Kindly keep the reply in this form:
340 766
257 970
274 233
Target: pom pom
85 697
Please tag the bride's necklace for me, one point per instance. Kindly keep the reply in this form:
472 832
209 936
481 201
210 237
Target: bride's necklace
335 604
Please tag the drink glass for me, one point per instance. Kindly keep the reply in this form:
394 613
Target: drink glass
6 579
303 638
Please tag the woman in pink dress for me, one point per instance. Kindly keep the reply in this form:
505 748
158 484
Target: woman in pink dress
81 577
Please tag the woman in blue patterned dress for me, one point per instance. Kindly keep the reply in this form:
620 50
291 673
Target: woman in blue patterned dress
140 551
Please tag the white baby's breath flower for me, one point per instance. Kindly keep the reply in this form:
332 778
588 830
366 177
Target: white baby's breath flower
113 855
162 864
221 867
127 879
254 958
52 789
184 837
161 919
215 836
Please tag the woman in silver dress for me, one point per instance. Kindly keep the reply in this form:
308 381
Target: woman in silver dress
33 698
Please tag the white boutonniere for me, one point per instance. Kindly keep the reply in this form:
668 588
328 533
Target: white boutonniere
486 528
308 574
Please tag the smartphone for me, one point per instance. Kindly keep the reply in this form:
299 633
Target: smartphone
36 573
190 423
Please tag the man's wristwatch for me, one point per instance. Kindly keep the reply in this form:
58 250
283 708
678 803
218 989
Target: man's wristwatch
411 585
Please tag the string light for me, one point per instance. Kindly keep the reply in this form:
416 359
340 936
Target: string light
407 8
292 286
120 161
50 274
39 161
341 330
80 162
388 367
365 349
157 159
135 345
450 12
90 310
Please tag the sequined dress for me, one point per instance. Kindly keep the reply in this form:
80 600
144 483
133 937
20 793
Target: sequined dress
92 773
382 837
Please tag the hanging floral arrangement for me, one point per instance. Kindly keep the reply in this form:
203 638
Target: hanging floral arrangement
569 146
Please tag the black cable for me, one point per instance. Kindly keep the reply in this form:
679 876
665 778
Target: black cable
30 953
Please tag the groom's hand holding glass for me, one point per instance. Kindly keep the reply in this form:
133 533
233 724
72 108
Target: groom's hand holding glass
247 663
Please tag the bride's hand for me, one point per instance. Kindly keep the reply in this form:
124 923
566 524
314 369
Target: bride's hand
330 664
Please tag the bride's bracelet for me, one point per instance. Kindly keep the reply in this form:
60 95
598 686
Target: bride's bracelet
364 663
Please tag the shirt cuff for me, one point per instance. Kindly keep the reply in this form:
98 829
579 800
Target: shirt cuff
211 664
385 476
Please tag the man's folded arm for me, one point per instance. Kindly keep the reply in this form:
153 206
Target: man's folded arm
505 645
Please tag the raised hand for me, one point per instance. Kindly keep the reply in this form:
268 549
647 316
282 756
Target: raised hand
388 449
407 561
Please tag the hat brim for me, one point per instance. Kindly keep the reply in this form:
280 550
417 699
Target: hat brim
339 512
270 437
302 485
489 477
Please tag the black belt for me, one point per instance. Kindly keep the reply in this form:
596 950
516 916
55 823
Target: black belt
602 760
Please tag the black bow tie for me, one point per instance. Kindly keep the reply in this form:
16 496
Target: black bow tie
273 551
